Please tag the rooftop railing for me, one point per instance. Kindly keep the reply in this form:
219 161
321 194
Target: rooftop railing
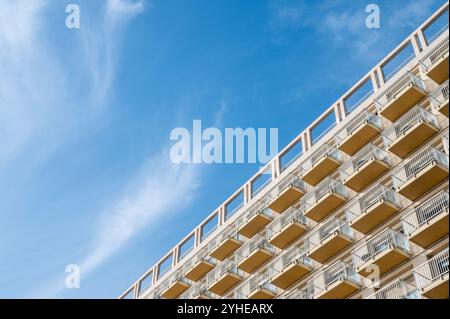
362 117
383 241
398 289
366 200
366 154
414 116
417 163
434 55
432 270
328 185
425 212
407 79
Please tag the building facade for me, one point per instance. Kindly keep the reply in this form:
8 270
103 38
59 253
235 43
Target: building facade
357 211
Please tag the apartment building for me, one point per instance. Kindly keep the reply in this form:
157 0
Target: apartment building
358 210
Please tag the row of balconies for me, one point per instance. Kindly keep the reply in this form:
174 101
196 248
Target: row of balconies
412 126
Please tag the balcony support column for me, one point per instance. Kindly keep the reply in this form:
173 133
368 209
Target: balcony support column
380 75
422 40
415 45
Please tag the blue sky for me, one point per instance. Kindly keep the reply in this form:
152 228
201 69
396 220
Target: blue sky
85 118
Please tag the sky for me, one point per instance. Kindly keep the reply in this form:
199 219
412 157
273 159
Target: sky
86 116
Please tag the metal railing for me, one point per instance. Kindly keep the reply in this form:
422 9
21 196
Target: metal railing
432 270
202 255
259 241
327 186
291 215
445 143
398 289
362 117
332 226
417 163
425 212
258 281
367 153
383 241
228 266
336 272
325 150
414 116
366 200
293 255
258 208
290 180
434 55
177 276
200 288
390 93
227 233
439 95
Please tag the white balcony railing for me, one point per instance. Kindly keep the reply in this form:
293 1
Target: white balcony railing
414 116
432 270
325 150
258 281
366 200
176 276
228 266
290 180
434 55
334 273
332 226
407 79
199 289
398 289
362 117
383 241
258 208
202 255
227 233
445 143
439 95
328 185
294 254
417 163
259 241
425 212
291 215
367 153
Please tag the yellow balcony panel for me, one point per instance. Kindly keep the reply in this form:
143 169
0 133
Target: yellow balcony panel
261 293
255 259
443 108
366 174
252 226
359 138
325 206
286 198
412 138
403 101
225 248
438 72
199 270
320 170
431 231
438 289
290 275
288 234
330 247
175 289
340 289
386 260
374 216
225 283
424 180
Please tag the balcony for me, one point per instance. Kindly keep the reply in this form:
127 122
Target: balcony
290 268
428 223
287 228
226 243
254 220
365 167
223 278
400 96
386 250
373 208
338 281
439 99
324 199
198 291
321 164
289 190
435 63
254 253
198 266
174 286
421 173
410 131
257 286
364 127
398 289
329 240
432 277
